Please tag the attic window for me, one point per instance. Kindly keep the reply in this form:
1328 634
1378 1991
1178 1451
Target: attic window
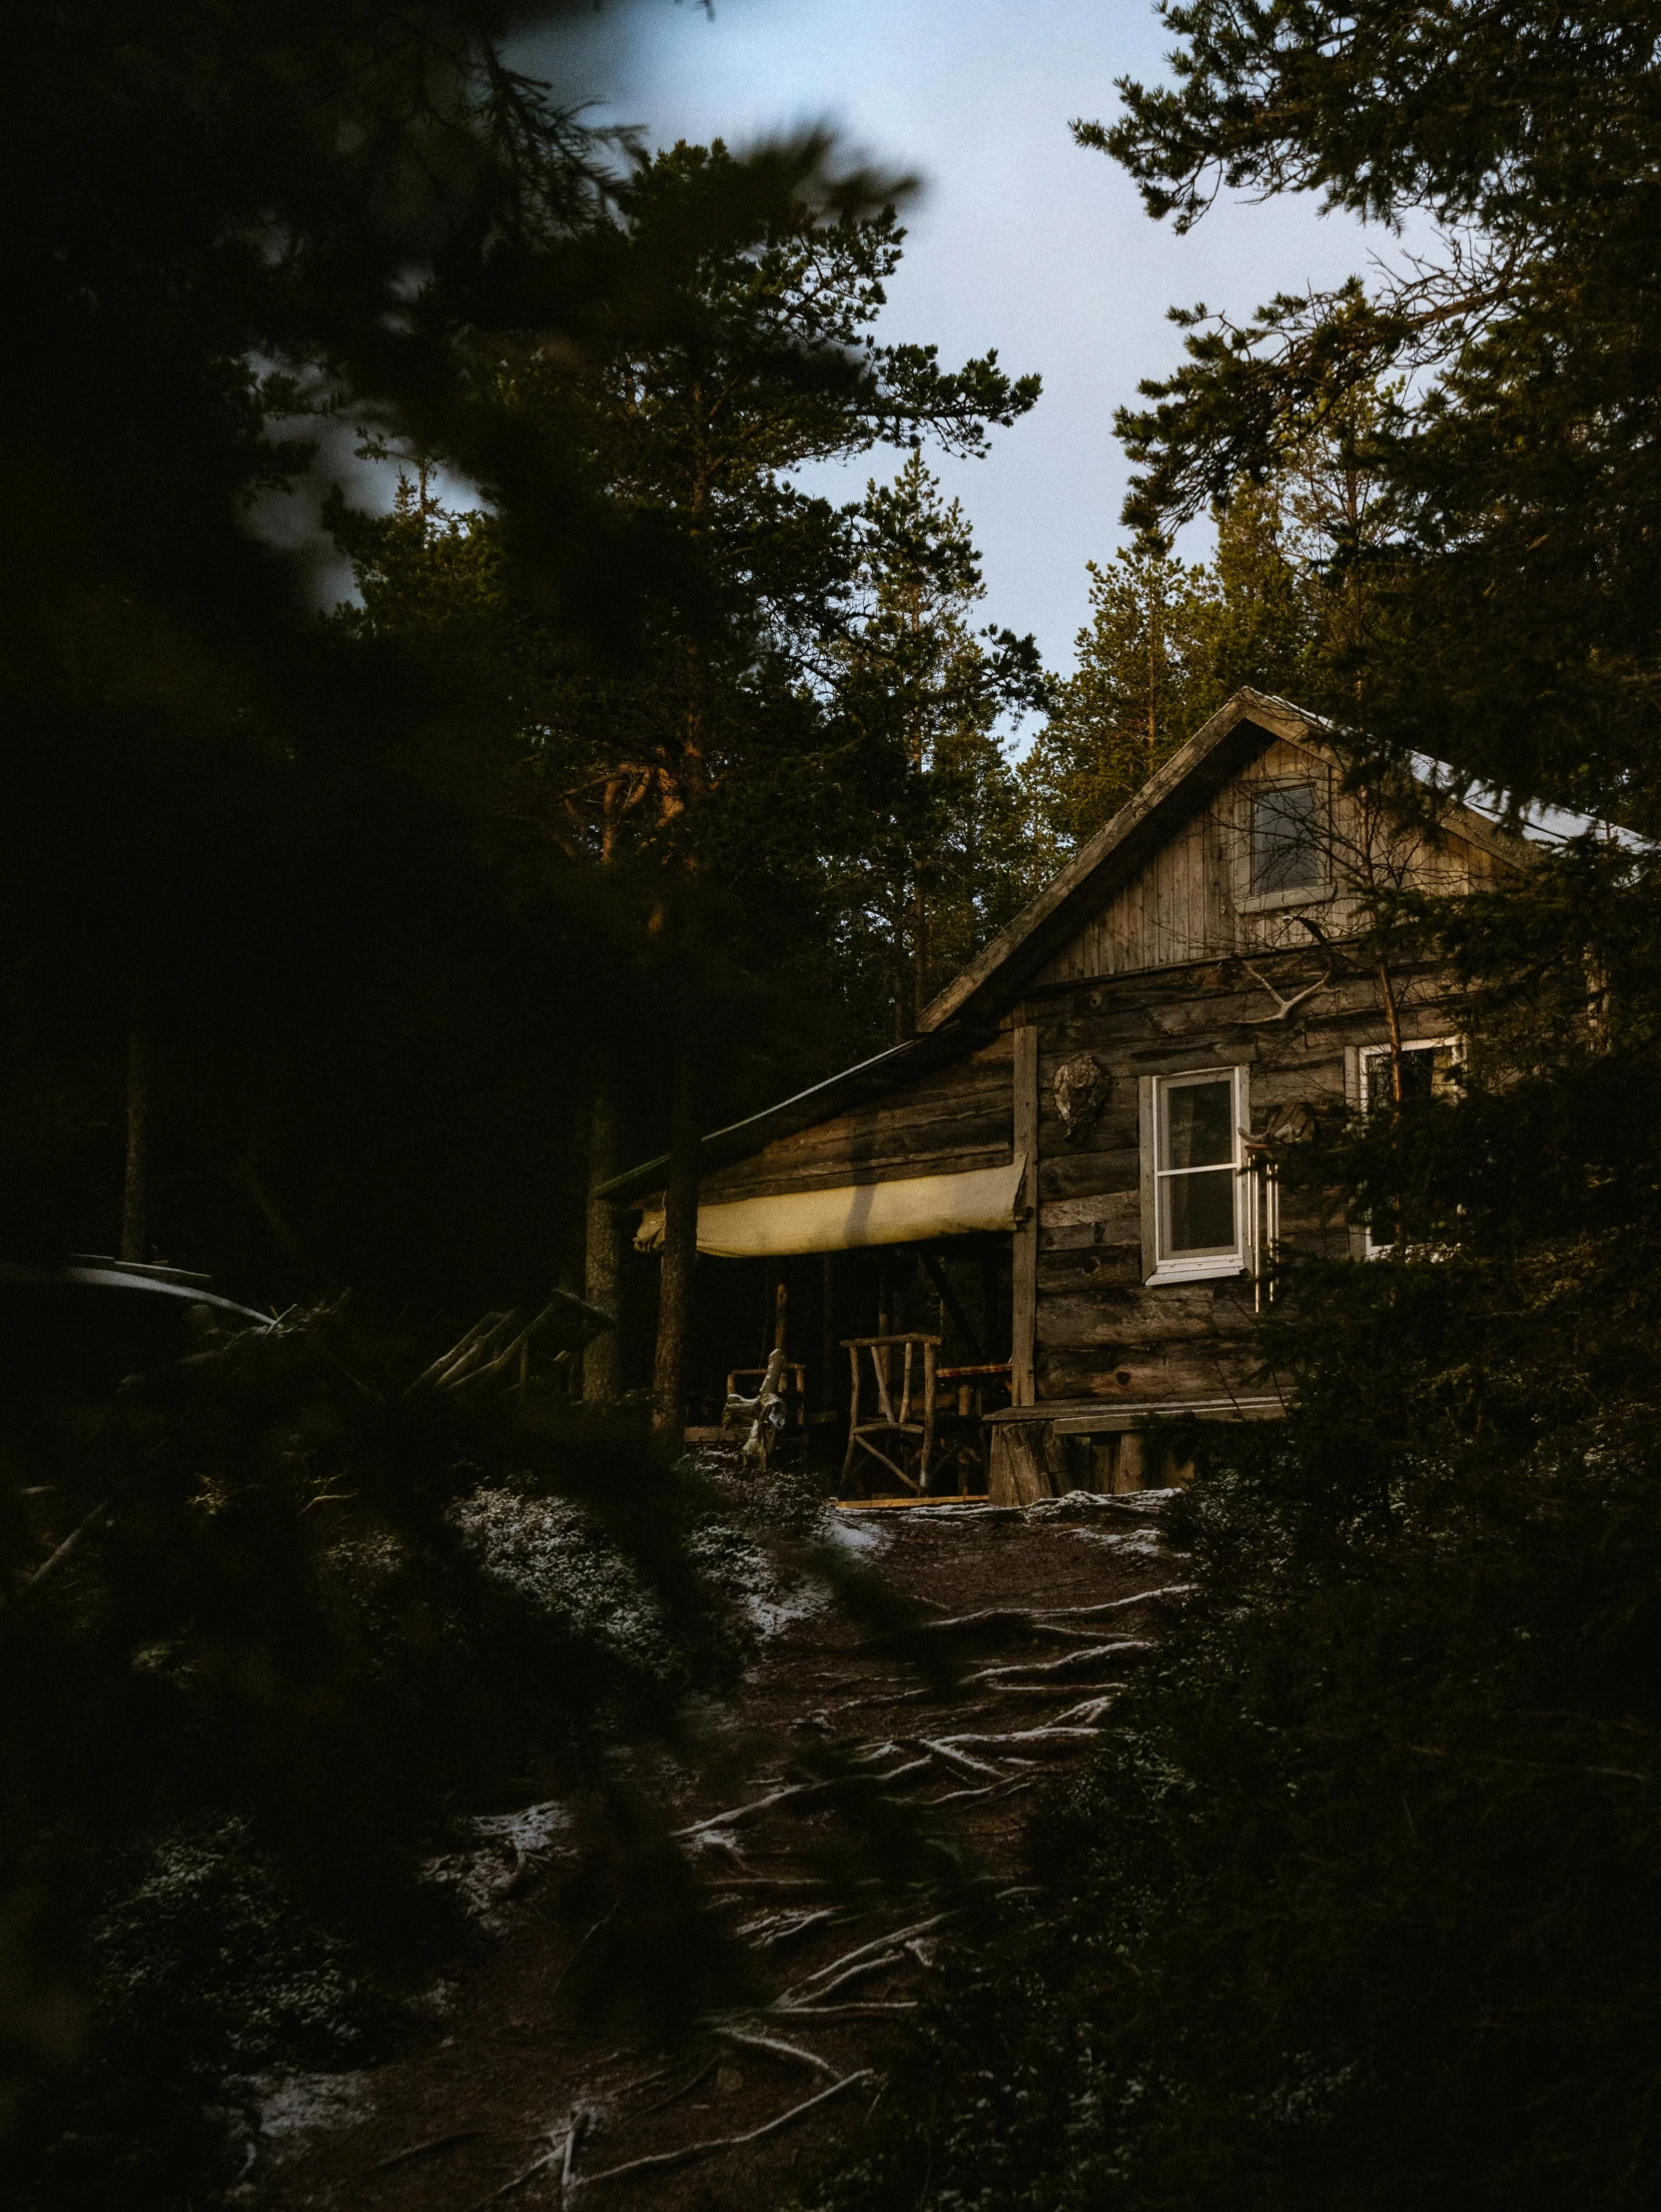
1285 841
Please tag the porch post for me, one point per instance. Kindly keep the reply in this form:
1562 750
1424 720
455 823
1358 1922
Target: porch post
1024 1331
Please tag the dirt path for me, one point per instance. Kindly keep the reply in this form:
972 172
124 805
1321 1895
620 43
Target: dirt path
510 2104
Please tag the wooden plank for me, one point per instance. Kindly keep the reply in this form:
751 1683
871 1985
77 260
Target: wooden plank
979 1133
1025 1248
986 1100
1115 1268
738 1182
1071 1237
1145 1188
1081 1323
924 1139
1117 1206
1026 1461
1177 1371
1085 1174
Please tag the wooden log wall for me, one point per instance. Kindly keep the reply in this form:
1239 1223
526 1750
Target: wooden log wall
957 1118
1103 1334
1156 984
1184 905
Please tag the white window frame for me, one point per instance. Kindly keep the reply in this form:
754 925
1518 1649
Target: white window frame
1359 1058
1156 1265
1248 901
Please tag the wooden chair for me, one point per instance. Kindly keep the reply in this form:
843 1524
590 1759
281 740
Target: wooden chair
793 1381
907 1437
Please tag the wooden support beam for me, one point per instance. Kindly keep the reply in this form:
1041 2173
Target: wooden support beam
1024 1332
934 1267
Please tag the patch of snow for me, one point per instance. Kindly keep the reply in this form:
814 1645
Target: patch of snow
276 2115
531 1830
855 1532
551 1553
1136 1543
479 1879
290 2105
1084 1504
485 1877
769 1597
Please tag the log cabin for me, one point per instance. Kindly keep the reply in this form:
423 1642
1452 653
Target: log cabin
1071 1165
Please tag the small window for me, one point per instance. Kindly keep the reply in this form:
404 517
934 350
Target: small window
1427 1071
1284 840
1198 1152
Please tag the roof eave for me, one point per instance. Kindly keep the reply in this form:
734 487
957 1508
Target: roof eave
988 983
838 1094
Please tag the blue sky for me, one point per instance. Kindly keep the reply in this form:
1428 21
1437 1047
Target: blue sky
1019 241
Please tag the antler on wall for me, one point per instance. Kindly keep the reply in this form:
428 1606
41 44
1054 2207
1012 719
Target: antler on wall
1282 1007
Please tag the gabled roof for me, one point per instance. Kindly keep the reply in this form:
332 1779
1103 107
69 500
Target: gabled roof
967 1012
1244 726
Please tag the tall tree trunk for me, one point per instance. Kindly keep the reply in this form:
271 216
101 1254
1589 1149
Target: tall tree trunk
602 1279
133 1195
919 955
670 1373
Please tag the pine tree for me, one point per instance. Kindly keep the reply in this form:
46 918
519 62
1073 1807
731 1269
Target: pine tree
944 857
1144 682
685 750
1516 549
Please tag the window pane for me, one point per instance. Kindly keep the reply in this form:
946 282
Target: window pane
1199 1123
1426 1073
1199 1213
1285 852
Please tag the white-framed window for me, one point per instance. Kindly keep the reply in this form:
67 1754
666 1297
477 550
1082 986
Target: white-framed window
1195 1217
1428 1065
1284 857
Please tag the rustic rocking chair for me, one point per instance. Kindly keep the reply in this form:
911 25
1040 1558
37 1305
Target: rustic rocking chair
908 1438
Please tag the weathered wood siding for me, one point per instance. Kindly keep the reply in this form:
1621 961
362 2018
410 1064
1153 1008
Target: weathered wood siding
1183 905
1157 982
1103 1333
959 1117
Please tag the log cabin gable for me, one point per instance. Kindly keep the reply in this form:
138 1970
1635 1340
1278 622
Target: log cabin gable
1199 897
1169 880
1159 888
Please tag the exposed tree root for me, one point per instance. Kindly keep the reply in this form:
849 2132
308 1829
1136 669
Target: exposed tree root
960 1761
660 2160
777 1928
1040 1740
1008 1785
432 2144
685 2089
749 2041
793 1792
894 1937
1128 1648
1026 1619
